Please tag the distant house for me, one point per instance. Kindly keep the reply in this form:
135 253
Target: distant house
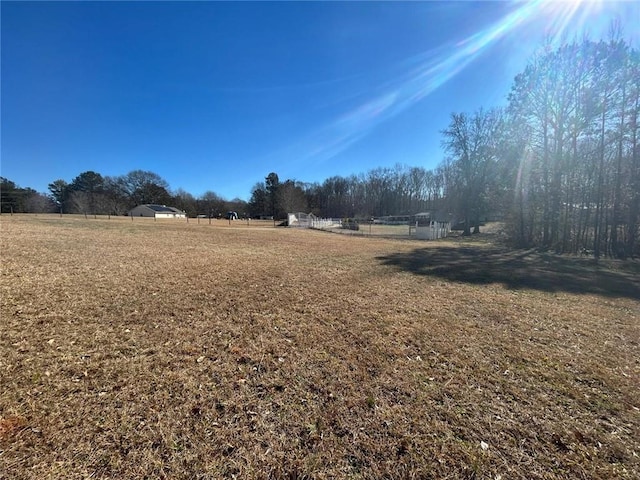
156 211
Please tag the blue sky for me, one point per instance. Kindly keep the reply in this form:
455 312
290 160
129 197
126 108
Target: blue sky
215 95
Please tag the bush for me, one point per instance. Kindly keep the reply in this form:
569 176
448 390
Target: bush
350 224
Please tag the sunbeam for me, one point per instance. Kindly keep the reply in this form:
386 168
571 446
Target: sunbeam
429 71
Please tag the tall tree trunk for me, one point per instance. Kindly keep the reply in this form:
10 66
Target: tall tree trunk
546 237
634 201
600 187
616 250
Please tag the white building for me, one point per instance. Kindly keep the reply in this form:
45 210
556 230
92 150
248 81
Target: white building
156 211
428 228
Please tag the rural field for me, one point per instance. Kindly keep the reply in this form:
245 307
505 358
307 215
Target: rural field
192 351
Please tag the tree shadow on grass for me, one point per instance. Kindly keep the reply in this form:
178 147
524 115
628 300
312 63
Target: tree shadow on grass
519 269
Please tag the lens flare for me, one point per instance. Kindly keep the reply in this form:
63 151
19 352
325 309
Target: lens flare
425 73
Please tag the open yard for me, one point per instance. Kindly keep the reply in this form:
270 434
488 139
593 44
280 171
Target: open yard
171 350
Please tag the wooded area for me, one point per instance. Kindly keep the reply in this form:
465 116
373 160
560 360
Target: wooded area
574 150
560 165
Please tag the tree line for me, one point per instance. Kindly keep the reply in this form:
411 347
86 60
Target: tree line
91 193
399 190
560 165
14 198
573 149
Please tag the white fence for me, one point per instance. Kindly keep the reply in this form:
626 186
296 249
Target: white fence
425 230
433 230
308 220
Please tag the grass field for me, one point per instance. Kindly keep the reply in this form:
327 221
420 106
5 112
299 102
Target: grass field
171 350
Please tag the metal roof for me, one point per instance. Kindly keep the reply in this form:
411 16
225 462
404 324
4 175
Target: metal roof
160 208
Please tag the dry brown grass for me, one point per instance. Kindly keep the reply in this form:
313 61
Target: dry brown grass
166 350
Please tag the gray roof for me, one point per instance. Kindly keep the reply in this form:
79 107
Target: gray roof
162 208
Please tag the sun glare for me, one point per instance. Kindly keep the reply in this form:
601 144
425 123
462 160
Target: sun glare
419 76
567 16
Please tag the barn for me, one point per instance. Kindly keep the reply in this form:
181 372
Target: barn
156 211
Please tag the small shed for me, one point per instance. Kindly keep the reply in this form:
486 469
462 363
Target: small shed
431 226
156 211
